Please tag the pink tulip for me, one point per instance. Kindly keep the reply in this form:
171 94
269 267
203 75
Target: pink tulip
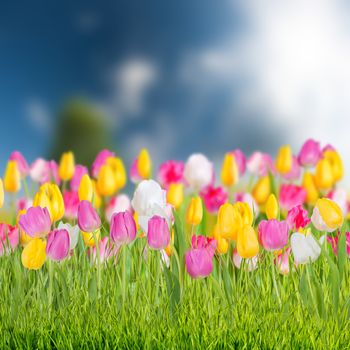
42 171
282 262
9 238
58 244
123 227
106 250
79 172
116 205
297 218
273 234
158 234
36 222
213 197
295 171
22 164
169 172
310 153
134 173
24 203
260 164
88 219
291 196
100 160
199 259
240 161
71 203
334 242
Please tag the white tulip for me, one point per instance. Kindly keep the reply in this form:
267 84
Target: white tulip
73 232
305 248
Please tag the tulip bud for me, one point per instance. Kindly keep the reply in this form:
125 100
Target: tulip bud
58 244
123 227
12 177
175 194
261 190
86 190
67 166
194 212
158 236
1 193
229 221
34 254
88 219
106 182
271 207
310 188
336 164
327 216
118 168
144 164
324 174
284 160
229 170
247 242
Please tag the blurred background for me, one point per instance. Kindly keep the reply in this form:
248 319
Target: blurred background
174 76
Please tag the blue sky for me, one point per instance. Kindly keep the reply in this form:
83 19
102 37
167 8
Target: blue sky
178 77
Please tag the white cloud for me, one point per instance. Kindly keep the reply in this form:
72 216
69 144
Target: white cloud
39 116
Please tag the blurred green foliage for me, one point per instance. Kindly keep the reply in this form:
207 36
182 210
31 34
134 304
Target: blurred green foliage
82 128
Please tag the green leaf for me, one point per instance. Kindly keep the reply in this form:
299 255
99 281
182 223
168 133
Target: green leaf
173 289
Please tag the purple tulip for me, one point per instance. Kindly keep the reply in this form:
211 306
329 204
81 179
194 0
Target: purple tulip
88 219
273 234
58 244
36 222
158 234
310 153
123 227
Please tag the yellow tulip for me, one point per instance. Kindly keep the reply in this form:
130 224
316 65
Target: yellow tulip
34 254
1 193
86 190
310 188
106 182
330 213
119 171
261 190
12 177
324 175
271 208
243 209
175 195
194 212
90 237
229 221
247 242
222 242
67 166
284 159
144 164
229 170
96 201
336 164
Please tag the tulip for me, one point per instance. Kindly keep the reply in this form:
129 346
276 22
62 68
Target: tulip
272 207
1 193
340 197
252 263
199 172
36 222
246 197
229 221
260 164
96 198
100 160
291 196
229 170
43 171
106 182
73 232
34 254
71 202
117 204
79 172
119 172
22 164
24 237
175 194
327 216
149 199
273 234
144 164
67 166
85 190
336 164
246 214
12 177
304 247
295 171
261 190
310 188
247 242
170 172
9 238
310 153
88 219
58 244
194 212
105 250
90 238
282 262
214 197
297 218
123 227
324 175
240 161
284 160
158 236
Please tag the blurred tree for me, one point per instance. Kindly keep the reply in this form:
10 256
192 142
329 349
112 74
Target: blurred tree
83 129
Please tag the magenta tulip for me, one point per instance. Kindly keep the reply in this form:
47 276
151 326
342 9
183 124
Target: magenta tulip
297 218
273 234
310 153
158 236
58 244
123 227
88 219
36 222
291 196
